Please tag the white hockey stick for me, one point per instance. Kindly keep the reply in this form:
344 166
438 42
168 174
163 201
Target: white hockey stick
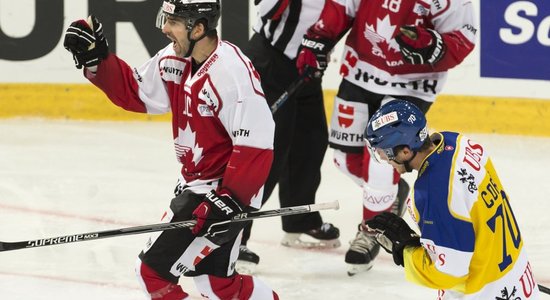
242 217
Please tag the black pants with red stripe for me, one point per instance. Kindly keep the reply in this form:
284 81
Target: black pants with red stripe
171 244
301 134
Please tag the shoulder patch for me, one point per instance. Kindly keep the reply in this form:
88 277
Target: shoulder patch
422 8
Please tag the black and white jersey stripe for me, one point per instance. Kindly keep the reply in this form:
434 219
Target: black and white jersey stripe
286 32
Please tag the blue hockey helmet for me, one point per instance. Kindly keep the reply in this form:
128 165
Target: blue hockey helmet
397 123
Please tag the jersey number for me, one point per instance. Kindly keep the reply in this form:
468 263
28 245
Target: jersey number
392 5
509 228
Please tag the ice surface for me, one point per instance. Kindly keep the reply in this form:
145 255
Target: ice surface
65 177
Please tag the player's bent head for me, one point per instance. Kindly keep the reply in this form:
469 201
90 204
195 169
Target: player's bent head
398 123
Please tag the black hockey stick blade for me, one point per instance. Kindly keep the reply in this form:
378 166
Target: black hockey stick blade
80 237
292 89
544 289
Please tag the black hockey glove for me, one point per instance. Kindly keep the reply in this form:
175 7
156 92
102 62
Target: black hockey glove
393 234
85 40
420 45
313 53
213 218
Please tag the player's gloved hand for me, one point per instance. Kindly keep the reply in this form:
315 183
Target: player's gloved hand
313 53
85 40
213 218
393 234
420 45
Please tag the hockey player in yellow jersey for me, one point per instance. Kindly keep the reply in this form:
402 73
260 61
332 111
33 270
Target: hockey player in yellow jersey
470 245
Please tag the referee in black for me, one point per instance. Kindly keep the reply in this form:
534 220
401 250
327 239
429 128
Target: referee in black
301 134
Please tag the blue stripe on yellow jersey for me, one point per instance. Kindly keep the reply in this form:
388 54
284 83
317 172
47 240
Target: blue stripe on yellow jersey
436 221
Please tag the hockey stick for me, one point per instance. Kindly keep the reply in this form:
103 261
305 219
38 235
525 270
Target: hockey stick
544 289
292 88
242 217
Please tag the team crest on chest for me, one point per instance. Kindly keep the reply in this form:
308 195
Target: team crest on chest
187 145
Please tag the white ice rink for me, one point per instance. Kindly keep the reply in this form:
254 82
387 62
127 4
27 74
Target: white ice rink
65 177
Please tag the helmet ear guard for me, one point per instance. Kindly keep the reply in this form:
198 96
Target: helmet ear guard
397 123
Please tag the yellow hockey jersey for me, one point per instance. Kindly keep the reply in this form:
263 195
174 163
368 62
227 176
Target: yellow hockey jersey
471 242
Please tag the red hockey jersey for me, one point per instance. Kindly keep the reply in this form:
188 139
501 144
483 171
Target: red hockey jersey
222 125
372 58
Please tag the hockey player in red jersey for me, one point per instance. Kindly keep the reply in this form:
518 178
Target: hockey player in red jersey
223 136
393 48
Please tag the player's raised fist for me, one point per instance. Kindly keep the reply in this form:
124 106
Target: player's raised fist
85 40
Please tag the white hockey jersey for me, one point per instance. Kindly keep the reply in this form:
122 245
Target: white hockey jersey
472 247
372 58
222 125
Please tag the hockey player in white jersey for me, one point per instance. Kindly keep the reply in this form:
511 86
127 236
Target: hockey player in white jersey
223 137
393 48
470 246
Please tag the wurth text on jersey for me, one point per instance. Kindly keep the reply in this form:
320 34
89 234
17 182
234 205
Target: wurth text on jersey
241 132
172 70
347 137
426 85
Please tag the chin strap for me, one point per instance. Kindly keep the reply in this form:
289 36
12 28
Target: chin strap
406 163
192 42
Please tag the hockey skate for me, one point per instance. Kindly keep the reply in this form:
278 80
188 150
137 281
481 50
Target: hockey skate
361 254
323 237
247 261
400 206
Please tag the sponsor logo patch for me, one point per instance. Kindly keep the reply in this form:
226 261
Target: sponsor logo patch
168 7
212 103
205 111
467 179
420 10
384 120
345 115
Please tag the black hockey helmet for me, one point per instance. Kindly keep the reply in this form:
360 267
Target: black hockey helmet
191 11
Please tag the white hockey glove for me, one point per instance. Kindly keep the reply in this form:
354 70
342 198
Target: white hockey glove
85 40
393 234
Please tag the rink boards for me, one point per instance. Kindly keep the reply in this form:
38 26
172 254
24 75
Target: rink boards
477 114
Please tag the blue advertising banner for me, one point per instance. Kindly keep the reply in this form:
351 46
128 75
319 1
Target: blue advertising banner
515 39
